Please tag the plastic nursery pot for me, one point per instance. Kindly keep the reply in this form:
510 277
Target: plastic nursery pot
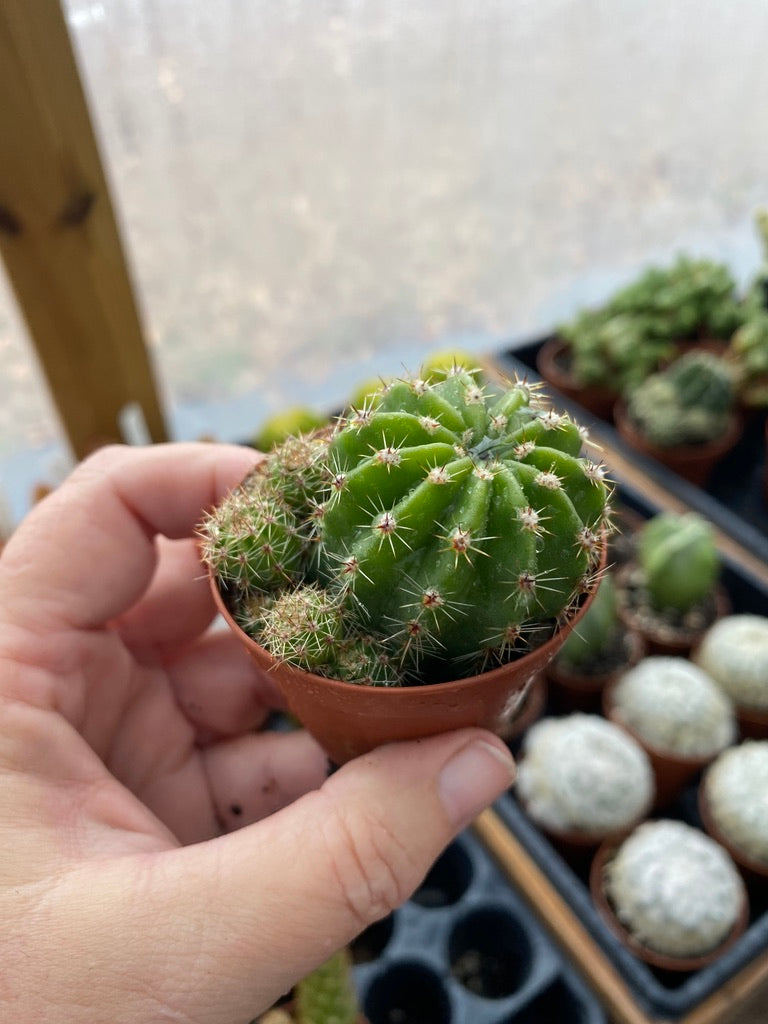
573 690
671 772
693 462
649 956
754 872
661 635
348 720
553 363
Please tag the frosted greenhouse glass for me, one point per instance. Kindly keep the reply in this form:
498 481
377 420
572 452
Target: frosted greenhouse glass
312 190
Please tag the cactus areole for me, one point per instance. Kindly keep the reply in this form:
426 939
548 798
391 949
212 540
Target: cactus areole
434 534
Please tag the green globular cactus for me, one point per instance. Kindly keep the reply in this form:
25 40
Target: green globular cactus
679 560
435 530
275 429
327 995
689 402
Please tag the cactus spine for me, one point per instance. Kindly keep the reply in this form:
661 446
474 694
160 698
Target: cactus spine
436 525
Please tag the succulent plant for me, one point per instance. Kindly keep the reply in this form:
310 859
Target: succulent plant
674 889
275 429
583 774
734 651
644 323
674 707
679 560
735 788
598 632
748 354
325 996
688 402
434 529
617 350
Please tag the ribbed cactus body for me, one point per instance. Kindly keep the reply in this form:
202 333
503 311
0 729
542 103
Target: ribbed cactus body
434 525
459 519
679 559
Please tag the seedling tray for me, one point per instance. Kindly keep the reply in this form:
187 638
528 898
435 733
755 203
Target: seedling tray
732 500
465 949
634 992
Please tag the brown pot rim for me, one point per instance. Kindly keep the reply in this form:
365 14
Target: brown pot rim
664 961
695 454
751 866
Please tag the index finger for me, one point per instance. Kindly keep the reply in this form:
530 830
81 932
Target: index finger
87 553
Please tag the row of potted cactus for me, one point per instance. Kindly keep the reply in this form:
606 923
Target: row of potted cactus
677 359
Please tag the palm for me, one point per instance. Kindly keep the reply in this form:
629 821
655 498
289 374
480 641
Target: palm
154 714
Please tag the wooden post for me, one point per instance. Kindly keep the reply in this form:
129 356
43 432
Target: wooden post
58 234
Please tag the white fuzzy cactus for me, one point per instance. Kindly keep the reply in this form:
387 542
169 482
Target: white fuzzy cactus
734 652
675 707
583 774
674 889
736 794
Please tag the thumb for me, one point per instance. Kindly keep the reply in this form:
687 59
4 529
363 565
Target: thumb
283 894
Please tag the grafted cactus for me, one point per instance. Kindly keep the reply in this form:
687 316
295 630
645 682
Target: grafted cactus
437 526
687 403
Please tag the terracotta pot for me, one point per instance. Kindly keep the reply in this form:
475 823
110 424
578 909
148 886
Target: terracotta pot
530 710
693 462
659 636
552 362
754 872
576 691
672 772
650 956
349 720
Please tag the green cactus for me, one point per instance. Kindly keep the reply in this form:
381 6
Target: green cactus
689 402
429 535
748 353
643 324
275 429
597 631
679 560
327 995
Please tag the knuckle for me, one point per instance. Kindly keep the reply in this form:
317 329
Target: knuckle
370 866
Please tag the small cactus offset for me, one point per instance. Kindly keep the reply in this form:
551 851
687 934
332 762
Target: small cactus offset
689 402
436 526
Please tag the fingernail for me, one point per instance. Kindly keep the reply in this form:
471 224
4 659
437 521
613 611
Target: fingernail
473 778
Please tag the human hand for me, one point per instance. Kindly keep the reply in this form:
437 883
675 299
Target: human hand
162 860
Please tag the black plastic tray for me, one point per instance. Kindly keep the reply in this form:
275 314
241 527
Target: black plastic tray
465 914
660 994
732 499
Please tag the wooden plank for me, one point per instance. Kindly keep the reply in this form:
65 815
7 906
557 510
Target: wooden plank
58 234
559 918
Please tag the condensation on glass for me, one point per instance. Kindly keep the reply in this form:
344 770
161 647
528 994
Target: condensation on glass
312 191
